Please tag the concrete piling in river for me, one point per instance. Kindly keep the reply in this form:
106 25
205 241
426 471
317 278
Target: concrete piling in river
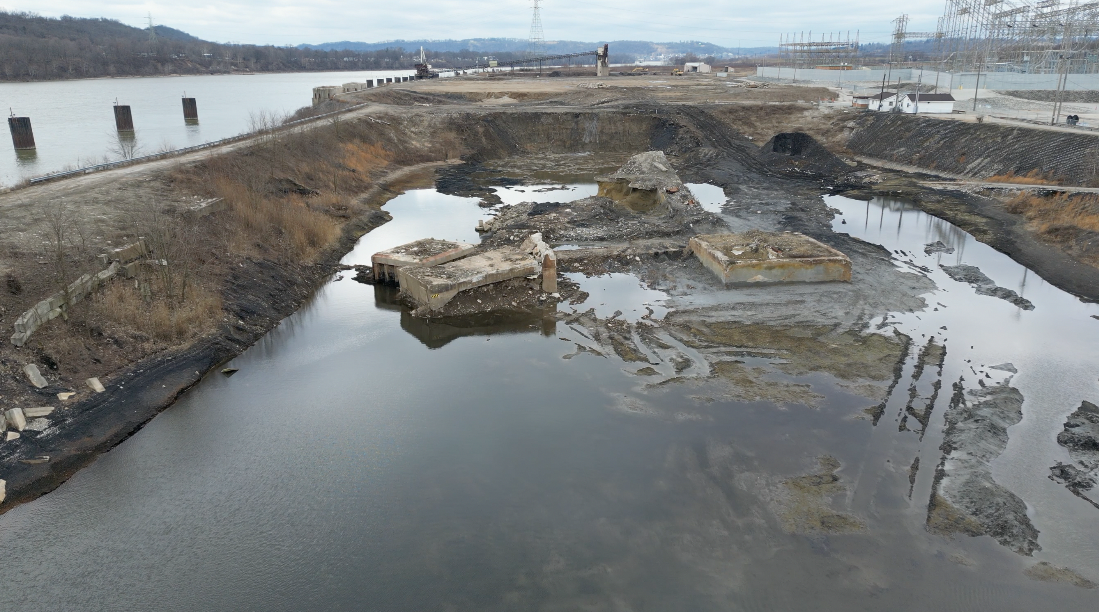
190 109
21 134
123 119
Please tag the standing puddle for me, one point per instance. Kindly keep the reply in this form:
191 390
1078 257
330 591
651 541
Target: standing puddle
711 197
618 295
1054 346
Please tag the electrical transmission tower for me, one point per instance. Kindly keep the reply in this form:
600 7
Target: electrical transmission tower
536 46
152 29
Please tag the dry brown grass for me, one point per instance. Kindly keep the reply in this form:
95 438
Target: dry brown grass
123 304
1034 177
1069 220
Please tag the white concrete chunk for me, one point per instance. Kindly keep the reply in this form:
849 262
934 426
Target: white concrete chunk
95 385
40 411
11 435
15 418
34 376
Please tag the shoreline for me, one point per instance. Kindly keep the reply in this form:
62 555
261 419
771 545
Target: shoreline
152 385
198 74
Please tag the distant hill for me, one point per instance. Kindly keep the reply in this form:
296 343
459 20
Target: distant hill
621 50
36 48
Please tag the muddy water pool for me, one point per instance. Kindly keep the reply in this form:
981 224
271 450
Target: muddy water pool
350 464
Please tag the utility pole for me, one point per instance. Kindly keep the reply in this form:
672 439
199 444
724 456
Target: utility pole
976 86
881 98
918 82
1062 80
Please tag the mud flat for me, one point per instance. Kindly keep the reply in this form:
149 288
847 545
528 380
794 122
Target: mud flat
967 499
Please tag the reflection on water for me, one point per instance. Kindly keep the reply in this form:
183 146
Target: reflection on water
437 333
26 157
74 123
619 295
710 197
361 456
1055 348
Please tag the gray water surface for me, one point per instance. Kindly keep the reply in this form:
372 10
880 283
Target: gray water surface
73 121
351 465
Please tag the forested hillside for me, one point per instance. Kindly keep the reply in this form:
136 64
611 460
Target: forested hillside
36 48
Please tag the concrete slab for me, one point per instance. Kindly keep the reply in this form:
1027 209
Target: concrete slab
34 376
435 286
764 257
641 184
426 252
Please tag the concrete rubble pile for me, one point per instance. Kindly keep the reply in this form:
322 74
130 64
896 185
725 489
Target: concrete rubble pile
644 206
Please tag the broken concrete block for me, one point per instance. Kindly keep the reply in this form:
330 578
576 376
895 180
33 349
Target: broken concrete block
64 395
3 490
34 376
435 286
11 435
40 411
95 385
15 419
767 257
549 273
426 252
128 253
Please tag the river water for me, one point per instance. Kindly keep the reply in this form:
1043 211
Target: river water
361 460
73 121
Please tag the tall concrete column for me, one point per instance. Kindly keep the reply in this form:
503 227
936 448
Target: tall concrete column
190 109
602 62
123 119
549 272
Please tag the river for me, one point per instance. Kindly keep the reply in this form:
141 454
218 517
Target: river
359 460
73 121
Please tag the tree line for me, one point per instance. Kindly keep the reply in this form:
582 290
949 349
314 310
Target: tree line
36 48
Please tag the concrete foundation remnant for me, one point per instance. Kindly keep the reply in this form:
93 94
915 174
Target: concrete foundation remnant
324 93
426 252
34 376
190 109
766 257
53 306
432 287
641 184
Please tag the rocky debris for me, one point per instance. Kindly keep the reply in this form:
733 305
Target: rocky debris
1047 572
798 152
1081 437
985 285
64 395
95 385
937 247
34 376
3 490
11 435
965 498
634 204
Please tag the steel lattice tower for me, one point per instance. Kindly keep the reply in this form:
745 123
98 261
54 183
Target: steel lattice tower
536 46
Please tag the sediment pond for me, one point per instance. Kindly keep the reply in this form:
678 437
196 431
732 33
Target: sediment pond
355 461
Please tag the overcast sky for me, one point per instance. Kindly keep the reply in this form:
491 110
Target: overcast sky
281 22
